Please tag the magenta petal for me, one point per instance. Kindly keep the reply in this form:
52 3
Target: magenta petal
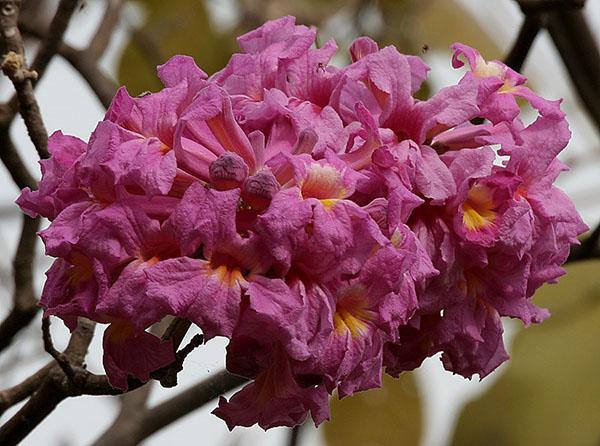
191 289
274 399
180 69
136 354
204 217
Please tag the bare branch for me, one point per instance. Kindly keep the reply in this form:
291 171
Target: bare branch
527 34
13 162
169 377
24 301
56 31
82 61
111 18
588 249
578 49
54 387
18 393
182 404
15 68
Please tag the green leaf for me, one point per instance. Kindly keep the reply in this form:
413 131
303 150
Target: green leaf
550 393
390 416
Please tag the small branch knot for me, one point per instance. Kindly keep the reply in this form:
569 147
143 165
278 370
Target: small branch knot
8 9
14 67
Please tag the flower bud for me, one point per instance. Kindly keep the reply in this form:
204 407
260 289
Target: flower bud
228 171
259 190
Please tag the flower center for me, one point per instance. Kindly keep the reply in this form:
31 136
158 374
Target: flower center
323 183
479 208
81 269
351 312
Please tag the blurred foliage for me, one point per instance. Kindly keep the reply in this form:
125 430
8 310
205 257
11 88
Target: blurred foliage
390 416
184 27
550 393
442 22
171 27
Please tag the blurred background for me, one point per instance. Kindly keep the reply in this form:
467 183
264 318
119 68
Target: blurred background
549 393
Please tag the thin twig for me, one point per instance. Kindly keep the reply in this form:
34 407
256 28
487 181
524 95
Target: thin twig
59 357
169 377
84 62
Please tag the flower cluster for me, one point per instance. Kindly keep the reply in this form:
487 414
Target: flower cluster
325 221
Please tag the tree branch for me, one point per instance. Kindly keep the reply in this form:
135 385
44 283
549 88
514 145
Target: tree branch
59 357
10 397
13 162
15 68
83 61
54 387
152 420
527 34
24 301
101 39
588 249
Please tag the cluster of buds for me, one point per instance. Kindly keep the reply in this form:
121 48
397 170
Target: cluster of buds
325 221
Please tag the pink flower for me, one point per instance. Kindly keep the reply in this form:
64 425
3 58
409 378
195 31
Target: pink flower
323 219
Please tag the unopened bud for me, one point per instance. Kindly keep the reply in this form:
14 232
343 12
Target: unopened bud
259 190
228 171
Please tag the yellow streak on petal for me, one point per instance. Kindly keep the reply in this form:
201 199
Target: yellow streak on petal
479 209
329 203
351 313
228 276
